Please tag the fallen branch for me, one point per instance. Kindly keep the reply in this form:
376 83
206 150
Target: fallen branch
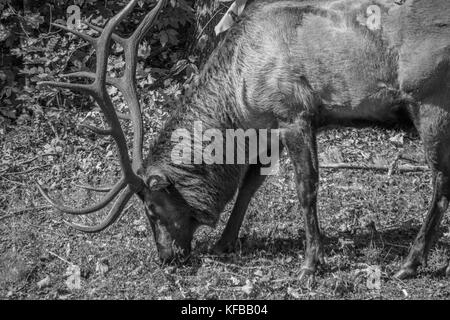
36 158
394 165
406 168
28 161
396 245
60 258
13 182
24 210
26 171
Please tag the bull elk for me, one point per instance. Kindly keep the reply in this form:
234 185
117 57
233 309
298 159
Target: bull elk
295 66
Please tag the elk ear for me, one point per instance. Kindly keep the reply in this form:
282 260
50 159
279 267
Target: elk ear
158 181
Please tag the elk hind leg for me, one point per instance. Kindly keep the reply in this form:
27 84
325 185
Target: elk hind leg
428 233
434 129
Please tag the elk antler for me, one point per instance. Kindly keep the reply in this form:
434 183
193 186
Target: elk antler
130 183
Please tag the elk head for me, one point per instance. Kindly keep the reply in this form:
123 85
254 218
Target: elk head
170 216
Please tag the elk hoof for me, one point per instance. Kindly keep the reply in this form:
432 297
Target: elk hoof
307 277
223 247
405 273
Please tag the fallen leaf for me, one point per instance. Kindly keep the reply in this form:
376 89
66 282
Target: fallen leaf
162 289
141 228
405 293
44 283
398 140
259 273
248 288
235 281
293 293
101 267
73 282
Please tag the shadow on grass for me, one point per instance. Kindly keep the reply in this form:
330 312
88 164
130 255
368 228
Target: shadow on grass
382 248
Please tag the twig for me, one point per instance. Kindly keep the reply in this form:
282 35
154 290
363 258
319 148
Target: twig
181 289
208 23
289 279
400 224
51 18
408 158
26 171
28 161
394 165
12 181
24 210
396 245
406 168
232 265
399 280
60 258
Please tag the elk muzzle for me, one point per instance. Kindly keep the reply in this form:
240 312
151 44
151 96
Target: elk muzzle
174 246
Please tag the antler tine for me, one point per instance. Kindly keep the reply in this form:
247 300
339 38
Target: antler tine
96 189
128 81
101 132
82 35
71 86
127 84
103 43
78 212
102 98
79 74
147 23
112 217
141 30
130 183
114 36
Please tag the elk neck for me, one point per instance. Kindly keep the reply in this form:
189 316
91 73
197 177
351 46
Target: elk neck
211 100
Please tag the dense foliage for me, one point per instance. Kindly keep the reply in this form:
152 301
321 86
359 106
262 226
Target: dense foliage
33 50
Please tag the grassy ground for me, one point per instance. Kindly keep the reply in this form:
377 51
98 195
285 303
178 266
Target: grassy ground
370 219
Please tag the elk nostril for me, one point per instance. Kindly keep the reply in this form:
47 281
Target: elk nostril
173 257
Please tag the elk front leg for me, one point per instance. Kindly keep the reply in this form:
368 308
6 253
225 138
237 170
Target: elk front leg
300 140
250 184
434 129
428 233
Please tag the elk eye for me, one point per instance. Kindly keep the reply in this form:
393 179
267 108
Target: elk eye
151 211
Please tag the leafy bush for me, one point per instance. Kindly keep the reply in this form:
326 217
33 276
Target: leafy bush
33 50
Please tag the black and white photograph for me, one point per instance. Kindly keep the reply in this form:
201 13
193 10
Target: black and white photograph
223 155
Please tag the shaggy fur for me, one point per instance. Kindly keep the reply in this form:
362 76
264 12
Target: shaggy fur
313 64
255 69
